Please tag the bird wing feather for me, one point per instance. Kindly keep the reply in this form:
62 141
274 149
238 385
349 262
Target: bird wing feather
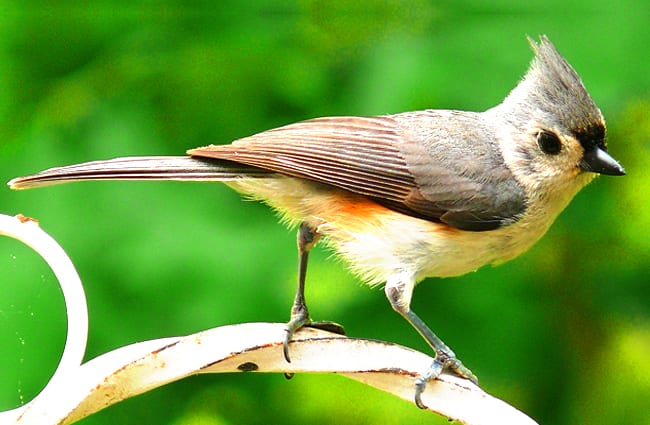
369 156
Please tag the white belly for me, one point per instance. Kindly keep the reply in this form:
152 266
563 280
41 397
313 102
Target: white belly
379 243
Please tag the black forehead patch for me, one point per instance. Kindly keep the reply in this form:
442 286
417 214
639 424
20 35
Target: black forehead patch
591 137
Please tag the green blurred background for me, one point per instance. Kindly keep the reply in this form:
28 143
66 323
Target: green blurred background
563 332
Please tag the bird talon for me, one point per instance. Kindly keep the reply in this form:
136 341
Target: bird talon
442 362
294 324
301 322
285 343
420 385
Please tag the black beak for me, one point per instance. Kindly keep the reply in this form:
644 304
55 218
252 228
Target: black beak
597 160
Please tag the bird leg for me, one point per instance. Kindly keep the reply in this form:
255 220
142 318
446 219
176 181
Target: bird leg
307 238
399 293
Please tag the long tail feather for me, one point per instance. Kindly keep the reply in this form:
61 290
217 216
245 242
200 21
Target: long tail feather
183 168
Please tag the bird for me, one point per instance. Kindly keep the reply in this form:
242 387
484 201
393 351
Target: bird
403 197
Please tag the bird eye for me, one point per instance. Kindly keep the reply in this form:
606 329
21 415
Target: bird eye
548 142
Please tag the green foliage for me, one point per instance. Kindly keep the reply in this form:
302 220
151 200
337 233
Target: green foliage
561 332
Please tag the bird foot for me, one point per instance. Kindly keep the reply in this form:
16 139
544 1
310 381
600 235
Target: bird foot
298 321
443 361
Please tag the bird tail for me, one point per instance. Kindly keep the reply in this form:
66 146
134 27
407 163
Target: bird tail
180 168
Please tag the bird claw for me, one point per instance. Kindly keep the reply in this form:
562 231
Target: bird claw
299 321
442 362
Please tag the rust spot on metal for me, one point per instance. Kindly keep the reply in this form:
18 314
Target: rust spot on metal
165 347
236 353
248 367
25 219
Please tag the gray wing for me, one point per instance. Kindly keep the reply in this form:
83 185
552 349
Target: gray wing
381 158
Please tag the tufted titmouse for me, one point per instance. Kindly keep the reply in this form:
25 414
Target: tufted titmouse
406 196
